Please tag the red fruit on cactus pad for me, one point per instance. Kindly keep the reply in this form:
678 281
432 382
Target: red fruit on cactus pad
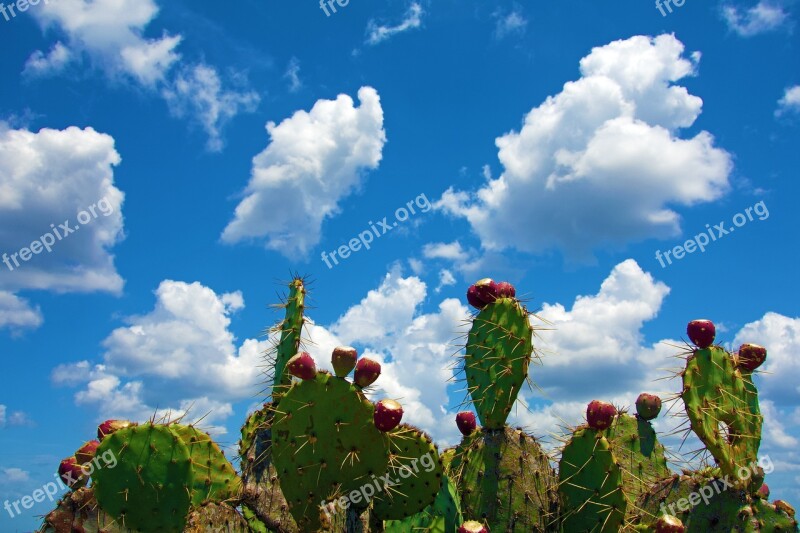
751 356
388 414
701 332
487 290
669 524
506 290
472 527
473 299
648 406
85 453
763 492
302 366
70 472
367 371
110 426
465 420
344 360
600 415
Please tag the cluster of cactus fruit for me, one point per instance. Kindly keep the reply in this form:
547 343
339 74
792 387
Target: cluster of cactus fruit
320 456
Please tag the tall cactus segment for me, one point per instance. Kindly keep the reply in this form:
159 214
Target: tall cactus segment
722 406
498 353
590 484
325 444
290 332
415 472
505 478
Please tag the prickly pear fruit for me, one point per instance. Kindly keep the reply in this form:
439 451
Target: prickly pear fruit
648 406
472 527
751 356
85 453
506 290
465 420
344 360
71 473
388 414
473 299
302 366
110 426
487 290
669 524
701 332
600 415
367 371
763 492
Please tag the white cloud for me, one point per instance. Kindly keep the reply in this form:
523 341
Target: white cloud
15 418
47 178
14 475
17 313
446 279
198 91
293 75
513 22
767 15
450 251
603 144
790 103
315 159
774 429
378 33
56 60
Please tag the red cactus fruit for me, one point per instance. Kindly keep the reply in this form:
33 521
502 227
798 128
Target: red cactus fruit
473 299
388 414
85 453
487 290
367 371
669 524
465 420
472 526
751 356
600 415
648 406
110 426
302 366
344 360
763 492
701 332
506 290
70 472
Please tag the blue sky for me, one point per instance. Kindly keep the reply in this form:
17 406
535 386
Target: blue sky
207 151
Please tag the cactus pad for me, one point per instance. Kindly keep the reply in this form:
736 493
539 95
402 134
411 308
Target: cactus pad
498 353
442 516
214 479
290 332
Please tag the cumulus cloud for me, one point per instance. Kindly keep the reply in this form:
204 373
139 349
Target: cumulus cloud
377 33
767 15
452 251
315 159
51 180
790 102
603 149
110 34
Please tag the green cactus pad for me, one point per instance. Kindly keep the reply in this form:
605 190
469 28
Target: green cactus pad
214 477
722 406
442 516
215 518
149 489
290 330
255 423
590 484
505 477
415 472
498 353
639 454
325 445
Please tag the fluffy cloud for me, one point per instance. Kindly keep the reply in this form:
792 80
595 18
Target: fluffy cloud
111 35
604 149
790 102
314 160
767 15
452 251
509 23
15 418
48 180
377 33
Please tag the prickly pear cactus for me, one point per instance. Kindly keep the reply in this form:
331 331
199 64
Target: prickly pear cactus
78 511
325 445
442 516
215 518
498 353
640 455
722 406
590 484
505 477
290 331
214 478
415 475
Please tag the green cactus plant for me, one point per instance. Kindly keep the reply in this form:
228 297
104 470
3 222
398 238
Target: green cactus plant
442 516
290 332
78 511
